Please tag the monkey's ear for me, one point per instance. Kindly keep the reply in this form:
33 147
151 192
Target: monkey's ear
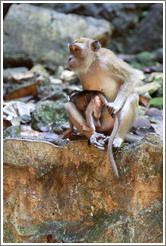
95 45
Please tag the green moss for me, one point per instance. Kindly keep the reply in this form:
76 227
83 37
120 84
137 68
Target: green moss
137 65
21 230
102 221
49 113
127 169
11 131
156 102
8 233
62 224
144 13
50 89
33 229
143 59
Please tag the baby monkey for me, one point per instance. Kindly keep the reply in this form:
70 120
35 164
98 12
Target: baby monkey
90 104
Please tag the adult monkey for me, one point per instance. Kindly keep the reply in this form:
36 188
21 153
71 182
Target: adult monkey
101 70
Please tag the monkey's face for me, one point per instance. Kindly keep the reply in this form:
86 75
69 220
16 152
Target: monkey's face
77 55
82 54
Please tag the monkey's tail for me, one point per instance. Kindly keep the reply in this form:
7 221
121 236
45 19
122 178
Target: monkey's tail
110 143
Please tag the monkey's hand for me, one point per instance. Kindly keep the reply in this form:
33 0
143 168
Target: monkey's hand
99 140
112 108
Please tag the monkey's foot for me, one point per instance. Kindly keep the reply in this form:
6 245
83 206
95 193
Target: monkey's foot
117 142
67 133
99 140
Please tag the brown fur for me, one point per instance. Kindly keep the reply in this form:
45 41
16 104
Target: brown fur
89 103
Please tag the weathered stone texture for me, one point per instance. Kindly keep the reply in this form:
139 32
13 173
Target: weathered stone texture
70 194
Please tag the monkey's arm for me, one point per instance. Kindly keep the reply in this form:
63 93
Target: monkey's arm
129 78
125 90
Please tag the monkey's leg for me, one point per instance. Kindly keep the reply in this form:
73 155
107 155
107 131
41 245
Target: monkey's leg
97 123
97 107
89 114
93 112
78 120
127 117
80 123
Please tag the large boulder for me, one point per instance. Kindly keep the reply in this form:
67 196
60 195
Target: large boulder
137 26
138 23
149 34
123 16
69 194
39 35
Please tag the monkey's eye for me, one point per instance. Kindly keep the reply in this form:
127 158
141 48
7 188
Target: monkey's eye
75 49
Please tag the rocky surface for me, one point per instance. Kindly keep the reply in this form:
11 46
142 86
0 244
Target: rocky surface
148 35
123 16
145 59
64 190
137 26
68 193
39 35
47 113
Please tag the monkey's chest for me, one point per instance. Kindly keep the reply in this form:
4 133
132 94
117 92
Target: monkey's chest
109 85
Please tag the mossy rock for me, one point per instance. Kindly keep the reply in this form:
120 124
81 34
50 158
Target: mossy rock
55 91
11 131
143 59
8 71
49 113
23 87
157 77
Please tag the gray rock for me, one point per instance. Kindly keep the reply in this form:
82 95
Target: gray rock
141 22
155 114
23 84
9 71
38 35
122 15
148 36
142 122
